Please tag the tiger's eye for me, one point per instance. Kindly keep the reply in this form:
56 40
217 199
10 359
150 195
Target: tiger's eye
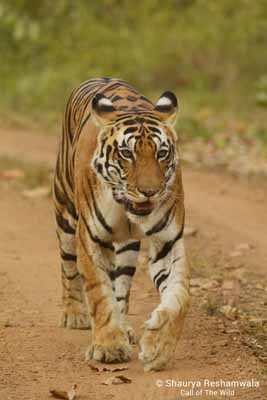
126 153
162 153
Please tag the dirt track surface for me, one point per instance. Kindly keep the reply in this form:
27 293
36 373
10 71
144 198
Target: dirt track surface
228 256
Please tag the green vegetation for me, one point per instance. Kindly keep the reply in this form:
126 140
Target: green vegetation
211 53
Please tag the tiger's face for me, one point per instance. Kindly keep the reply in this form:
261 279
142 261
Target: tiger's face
136 153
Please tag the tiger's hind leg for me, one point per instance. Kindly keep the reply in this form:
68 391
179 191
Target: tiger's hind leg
75 313
126 258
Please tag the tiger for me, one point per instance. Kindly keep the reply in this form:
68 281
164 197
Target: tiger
117 181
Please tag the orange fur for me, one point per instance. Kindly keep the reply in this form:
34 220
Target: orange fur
113 171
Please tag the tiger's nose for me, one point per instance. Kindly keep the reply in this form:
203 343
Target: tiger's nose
148 192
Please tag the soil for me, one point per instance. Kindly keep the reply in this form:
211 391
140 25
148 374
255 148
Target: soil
224 337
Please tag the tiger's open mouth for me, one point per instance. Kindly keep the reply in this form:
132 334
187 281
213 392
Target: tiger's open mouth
136 208
142 209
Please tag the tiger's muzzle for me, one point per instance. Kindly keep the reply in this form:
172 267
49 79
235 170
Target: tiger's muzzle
144 201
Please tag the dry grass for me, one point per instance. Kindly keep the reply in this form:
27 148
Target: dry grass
20 173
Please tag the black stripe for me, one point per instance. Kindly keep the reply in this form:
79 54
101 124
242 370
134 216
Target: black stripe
130 122
111 87
126 270
105 108
124 117
142 106
126 85
158 274
153 135
72 210
81 92
71 277
64 200
64 224
150 121
167 247
59 195
132 98
68 120
130 130
116 98
161 279
87 200
121 298
66 154
108 151
164 109
98 212
111 275
118 83
162 290
135 246
67 256
176 259
69 176
88 85
70 296
102 147
160 224
153 129
95 239
84 122
145 99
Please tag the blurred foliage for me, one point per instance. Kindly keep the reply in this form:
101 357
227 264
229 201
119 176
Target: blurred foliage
26 174
212 51
261 96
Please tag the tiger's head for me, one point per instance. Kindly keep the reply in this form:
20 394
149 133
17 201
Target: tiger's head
136 152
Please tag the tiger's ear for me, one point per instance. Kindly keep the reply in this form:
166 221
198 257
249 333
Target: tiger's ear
103 109
167 106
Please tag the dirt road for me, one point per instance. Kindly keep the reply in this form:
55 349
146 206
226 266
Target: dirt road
225 331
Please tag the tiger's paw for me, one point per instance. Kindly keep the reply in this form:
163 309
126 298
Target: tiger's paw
75 317
110 347
158 343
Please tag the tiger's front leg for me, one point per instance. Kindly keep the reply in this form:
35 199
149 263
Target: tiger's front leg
170 275
122 275
126 258
110 340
